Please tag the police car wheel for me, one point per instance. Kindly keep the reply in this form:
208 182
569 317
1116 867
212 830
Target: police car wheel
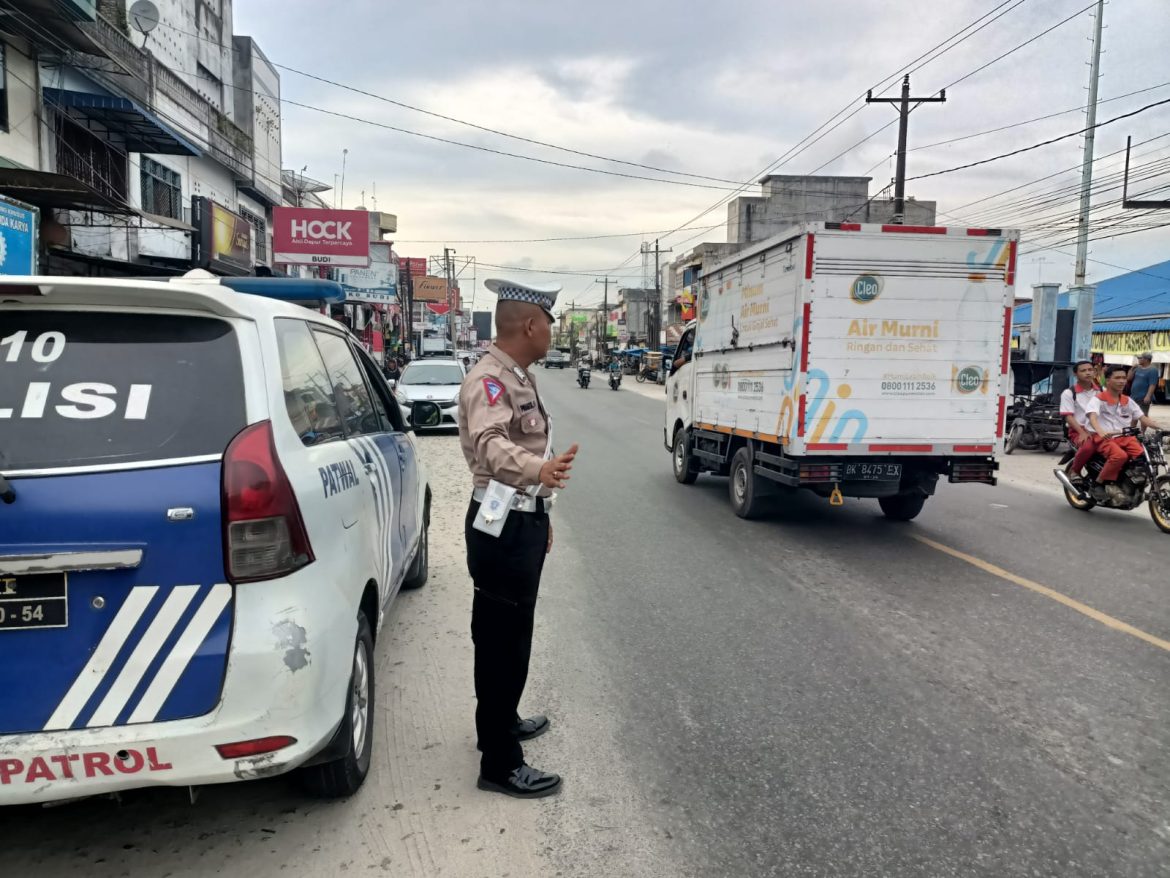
343 777
416 577
684 466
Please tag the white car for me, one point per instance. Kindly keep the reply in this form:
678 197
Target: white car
210 501
436 380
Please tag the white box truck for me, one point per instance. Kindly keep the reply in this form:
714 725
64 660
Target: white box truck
851 360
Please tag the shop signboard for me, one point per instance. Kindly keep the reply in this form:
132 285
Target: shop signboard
318 236
223 239
18 237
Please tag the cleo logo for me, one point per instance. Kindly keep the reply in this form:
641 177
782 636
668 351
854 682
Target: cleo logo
969 379
865 289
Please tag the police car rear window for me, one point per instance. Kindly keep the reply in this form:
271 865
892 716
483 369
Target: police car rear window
87 388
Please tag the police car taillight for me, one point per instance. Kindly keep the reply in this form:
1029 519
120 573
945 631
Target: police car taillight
264 534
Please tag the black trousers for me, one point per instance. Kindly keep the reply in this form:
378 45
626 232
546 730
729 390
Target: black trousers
506 573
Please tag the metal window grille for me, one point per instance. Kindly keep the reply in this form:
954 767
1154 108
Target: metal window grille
162 189
260 226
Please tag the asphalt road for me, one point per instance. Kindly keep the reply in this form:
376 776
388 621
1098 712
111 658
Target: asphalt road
821 693
817 693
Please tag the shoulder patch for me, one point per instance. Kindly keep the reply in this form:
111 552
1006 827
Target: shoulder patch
494 390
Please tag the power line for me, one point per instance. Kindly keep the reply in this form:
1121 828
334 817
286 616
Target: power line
1080 109
1042 143
962 78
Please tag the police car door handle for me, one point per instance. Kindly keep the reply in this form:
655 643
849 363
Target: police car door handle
369 466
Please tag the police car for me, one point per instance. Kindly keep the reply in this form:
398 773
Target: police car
208 500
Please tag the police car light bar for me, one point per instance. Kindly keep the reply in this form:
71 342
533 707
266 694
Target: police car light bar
296 290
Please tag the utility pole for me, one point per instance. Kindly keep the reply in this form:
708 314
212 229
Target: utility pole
903 103
1087 161
604 315
344 156
653 341
449 268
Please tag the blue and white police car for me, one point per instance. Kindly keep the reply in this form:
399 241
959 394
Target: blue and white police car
208 500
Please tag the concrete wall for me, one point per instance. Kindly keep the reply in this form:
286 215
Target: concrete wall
21 143
788 200
257 110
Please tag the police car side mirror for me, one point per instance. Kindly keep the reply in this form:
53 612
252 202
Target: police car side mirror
425 414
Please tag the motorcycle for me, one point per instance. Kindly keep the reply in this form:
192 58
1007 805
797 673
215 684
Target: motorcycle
1143 480
615 379
583 377
647 373
1035 423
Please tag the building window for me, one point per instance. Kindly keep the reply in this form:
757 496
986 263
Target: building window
86 157
260 236
162 189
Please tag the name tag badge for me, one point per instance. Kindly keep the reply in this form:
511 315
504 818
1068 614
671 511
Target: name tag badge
494 509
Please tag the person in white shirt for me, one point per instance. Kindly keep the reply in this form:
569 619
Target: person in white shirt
1110 412
1072 407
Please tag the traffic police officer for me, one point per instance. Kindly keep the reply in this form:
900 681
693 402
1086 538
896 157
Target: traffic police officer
506 436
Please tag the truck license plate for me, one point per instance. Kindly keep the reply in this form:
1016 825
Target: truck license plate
873 472
35 600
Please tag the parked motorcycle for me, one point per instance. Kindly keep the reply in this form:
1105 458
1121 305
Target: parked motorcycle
583 377
1034 422
615 379
1143 480
647 373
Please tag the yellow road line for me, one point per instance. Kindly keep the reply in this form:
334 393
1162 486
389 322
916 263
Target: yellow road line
1083 609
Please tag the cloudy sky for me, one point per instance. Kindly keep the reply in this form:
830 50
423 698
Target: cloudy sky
717 91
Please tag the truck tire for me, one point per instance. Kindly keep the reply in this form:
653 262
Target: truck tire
902 507
343 777
683 464
743 486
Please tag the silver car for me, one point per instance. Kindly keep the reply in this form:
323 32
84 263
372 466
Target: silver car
432 380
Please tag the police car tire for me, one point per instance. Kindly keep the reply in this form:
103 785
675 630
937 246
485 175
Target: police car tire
902 507
686 473
419 571
343 777
742 478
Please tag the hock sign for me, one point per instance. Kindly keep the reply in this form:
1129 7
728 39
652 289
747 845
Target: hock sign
310 236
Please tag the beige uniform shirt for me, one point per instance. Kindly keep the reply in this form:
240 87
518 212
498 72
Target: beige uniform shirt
503 426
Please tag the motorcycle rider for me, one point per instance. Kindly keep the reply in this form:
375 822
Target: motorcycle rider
1110 412
1073 404
615 370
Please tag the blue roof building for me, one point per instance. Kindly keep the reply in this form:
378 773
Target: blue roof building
1131 313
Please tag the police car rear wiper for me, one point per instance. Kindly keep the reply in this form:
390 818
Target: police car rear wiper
7 494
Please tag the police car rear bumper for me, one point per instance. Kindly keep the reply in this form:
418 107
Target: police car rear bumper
288 673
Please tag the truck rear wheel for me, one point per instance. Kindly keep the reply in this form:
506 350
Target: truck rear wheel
902 507
743 485
685 471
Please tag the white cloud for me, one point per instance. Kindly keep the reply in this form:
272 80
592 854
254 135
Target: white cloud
719 91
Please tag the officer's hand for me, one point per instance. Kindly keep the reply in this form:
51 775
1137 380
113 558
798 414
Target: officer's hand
548 546
555 472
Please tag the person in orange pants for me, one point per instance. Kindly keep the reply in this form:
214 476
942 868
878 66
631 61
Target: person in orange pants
1072 407
1111 412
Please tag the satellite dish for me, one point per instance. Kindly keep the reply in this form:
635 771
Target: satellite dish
144 16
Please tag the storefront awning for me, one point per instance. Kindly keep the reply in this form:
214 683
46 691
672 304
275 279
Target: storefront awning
142 129
56 191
